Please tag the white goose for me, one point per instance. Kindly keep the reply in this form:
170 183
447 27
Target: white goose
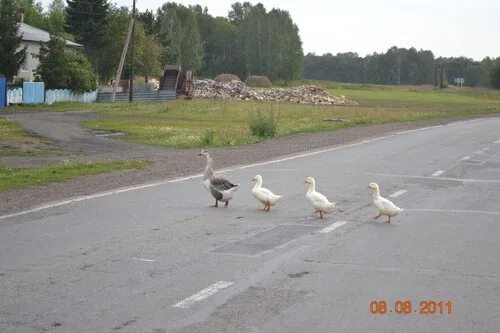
318 200
265 196
385 207
220 188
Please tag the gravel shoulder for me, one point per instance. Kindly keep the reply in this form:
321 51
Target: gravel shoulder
78 144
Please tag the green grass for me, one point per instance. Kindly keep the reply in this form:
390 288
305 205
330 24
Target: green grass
12 136
202 123
25 177
10 131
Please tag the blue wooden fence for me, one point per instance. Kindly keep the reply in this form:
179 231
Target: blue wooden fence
33 92
3 91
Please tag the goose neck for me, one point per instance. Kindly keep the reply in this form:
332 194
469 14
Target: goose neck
376 194
209 169
258 183
312 186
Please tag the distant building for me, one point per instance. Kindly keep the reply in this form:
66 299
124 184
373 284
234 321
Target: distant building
34 38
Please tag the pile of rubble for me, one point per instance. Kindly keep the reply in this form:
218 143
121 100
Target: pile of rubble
306 94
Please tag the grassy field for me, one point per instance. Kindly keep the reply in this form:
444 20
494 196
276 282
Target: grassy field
24 177
199 123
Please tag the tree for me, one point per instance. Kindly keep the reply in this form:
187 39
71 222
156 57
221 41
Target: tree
147 19
56 19
11 56
495 76
147 51
179 36
61 68
33 12
220 48
88 20
284 55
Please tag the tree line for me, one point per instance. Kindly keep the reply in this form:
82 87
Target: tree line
398 66
250 40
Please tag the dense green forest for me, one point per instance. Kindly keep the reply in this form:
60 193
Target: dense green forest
397 66
250 40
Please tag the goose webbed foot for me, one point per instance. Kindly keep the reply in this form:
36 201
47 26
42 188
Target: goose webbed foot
216 204
267 208
377 216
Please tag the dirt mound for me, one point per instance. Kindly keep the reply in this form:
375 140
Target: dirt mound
258 81
226 78
306 94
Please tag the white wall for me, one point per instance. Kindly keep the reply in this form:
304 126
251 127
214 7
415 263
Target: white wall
28 68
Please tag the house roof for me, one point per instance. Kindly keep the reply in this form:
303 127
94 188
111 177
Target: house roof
33 34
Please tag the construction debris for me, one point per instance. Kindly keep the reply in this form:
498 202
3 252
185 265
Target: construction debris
306 94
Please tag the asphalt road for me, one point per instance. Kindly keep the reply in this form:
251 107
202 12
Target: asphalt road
158 259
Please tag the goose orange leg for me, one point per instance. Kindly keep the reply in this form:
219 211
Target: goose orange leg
320 214
216 204
389 220
226 204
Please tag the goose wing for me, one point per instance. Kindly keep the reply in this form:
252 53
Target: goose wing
221 184
386 205
319 201
263 194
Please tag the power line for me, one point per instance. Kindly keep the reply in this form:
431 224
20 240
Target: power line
88 13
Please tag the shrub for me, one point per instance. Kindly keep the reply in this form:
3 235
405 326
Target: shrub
263 126
61 68
208 137
495 77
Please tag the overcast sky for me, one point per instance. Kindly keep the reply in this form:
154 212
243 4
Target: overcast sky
447 27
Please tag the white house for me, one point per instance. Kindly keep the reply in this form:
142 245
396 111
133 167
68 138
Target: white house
34 38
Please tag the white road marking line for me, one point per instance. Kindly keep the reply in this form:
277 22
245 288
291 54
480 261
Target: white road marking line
398 193
419 129
464 180
479 152
143 186
497 142
438 173
453 211
141 259
202 294
486 149
465 158
332 227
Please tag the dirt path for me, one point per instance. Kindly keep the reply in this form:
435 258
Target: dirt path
76 143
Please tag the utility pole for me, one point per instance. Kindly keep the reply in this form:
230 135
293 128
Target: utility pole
122 60
439 83
131 84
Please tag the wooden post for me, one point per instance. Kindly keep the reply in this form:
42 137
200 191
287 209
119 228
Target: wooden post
122 60
131 85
